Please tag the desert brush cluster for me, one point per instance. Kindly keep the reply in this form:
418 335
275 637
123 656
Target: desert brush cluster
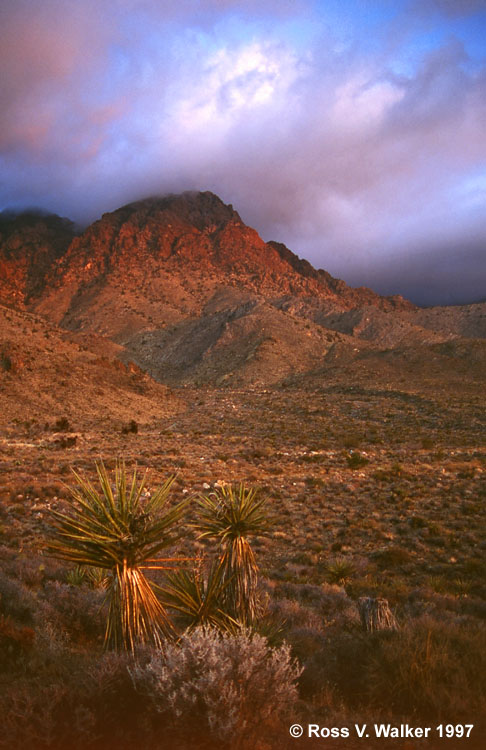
156 626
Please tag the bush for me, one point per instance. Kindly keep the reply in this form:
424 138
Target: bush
356 460
83 703
427 669
392 557
221 689
16 600
340 571
209 692
432 669
131 427
61 425
77 610
15 640
5 362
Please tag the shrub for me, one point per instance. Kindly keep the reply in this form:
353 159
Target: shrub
294 615
82 703
61 425
340 571
325 600
352 440
15 640
76 576
76 610
199 598
5 362
392 557
16 600
429 669
432 669
356 460
221 689
131 427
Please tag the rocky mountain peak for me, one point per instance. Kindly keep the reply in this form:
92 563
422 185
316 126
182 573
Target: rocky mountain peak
203 211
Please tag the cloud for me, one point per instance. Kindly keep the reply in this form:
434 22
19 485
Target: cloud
42 66
452 8
317 144
452 273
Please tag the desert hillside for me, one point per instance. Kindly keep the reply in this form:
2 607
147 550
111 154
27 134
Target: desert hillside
48 375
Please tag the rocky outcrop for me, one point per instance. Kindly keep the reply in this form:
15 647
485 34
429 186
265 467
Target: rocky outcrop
30 245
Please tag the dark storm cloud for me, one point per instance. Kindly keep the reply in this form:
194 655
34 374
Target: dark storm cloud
428 276
316 142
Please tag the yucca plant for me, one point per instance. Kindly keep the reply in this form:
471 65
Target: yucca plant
76 576
119 531
340 571
97 578
231 515
200 599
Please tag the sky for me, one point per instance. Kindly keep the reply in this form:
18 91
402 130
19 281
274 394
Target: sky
353 131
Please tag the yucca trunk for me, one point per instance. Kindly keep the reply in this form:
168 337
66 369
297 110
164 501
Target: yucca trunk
136 616
241 573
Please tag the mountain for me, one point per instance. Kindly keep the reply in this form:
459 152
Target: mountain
191 293
49 375
169 258
30 244
191 238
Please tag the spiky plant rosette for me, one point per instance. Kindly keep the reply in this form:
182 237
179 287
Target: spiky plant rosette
199 598
231 515
121 531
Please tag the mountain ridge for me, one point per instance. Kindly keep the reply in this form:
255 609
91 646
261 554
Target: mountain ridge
184 288
195 227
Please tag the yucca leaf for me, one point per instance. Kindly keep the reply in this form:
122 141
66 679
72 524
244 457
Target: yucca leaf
199 600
